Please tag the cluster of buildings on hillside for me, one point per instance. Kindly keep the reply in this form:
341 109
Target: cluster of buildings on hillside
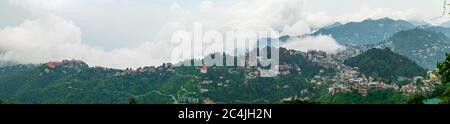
146 69
71 64
127 71
419 84
348 79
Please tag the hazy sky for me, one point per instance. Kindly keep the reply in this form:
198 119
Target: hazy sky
131 22
129 28
427 8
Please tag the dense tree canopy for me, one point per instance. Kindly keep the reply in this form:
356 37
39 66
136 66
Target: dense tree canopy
445 98
133 101
384 63
417 98
444 69
444 89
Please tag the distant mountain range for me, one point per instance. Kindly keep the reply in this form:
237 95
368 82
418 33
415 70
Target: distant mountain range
424 44
333 25
438 29
445 24
365 32
425 47
7 63
418 23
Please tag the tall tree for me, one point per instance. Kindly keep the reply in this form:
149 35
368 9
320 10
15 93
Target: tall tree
445 98
444 69
417 98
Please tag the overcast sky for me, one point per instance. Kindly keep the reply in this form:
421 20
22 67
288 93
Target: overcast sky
102 29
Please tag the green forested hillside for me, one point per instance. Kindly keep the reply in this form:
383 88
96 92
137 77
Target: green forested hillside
425 47
385 64
375 97
75 82
78 83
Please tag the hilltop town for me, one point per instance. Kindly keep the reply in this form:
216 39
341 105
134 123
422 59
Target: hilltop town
301 75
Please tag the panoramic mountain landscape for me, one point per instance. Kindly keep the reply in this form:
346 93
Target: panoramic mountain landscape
383 70
384 59
373 75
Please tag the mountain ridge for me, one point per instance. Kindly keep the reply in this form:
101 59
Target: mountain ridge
366 32
386 64
426 47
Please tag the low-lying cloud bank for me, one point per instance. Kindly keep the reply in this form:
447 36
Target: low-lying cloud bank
322 42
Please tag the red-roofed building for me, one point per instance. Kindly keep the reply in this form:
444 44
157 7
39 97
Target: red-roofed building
99 67
204 69
380 85
53 64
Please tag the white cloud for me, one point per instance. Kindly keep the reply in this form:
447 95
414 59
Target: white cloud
284 16
26 42
318 19
298 28
54 38
51 37
321 42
